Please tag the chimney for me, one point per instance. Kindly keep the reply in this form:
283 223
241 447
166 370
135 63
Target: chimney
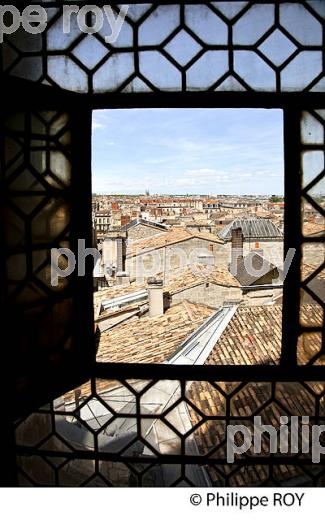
122 278
237 239
120 254
156 297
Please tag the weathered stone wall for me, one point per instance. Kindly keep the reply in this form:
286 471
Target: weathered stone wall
261 297
272 250
142 231
174 256
209 294
109 253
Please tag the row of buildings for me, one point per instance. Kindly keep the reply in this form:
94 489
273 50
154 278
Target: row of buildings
203 213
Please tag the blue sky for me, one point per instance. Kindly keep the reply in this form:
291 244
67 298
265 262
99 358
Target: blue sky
179 151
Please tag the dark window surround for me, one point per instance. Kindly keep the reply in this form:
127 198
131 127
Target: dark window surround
55 382
292 105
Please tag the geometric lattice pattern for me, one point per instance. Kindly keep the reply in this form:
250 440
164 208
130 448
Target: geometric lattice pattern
38 214
137 431
174 434
313 237
209 46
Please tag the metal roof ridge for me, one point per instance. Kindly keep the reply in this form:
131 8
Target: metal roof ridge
202 328
217 322
129 296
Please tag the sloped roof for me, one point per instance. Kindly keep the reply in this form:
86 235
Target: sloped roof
308 269
197 274
253 336
313 229
173 236
138 221
254 228
180 279
197 347
260 267
112 292
152 340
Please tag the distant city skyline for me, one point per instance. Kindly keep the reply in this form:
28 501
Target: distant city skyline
179 195
188 151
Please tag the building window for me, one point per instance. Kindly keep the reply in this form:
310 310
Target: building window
48 205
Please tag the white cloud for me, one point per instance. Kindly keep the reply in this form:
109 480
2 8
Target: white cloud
97 125
187 150
99 121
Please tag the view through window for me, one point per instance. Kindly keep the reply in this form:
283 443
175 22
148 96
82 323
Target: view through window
188 208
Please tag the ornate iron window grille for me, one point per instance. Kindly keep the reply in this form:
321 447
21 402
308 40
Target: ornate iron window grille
48 132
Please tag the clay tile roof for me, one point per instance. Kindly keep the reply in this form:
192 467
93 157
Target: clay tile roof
113 292
312 228
146 340
197 274
253 336
172 236
152 340
204 235
138 221
181 279
308 269
116 290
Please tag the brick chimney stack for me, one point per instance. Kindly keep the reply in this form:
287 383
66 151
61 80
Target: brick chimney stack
237 240
156 297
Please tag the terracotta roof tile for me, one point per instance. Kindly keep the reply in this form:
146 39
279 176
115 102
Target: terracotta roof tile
196 275
180 279
312 228
253 336
172 236
308 269
152 340
114 292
